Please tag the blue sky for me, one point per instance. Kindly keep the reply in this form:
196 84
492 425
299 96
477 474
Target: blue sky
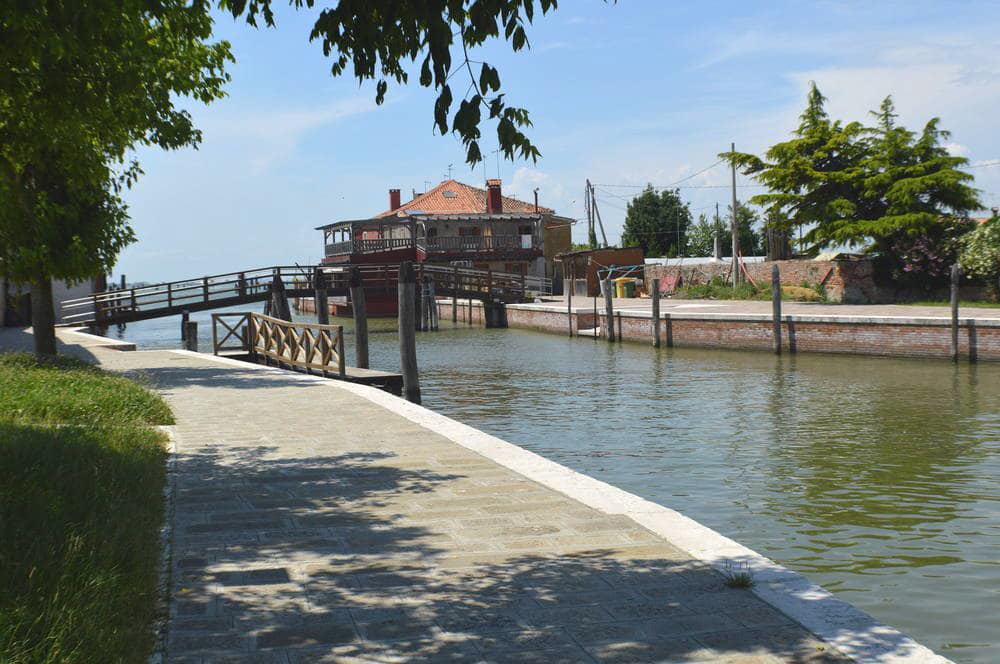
642 91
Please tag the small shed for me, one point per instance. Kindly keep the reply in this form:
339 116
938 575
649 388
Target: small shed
582 266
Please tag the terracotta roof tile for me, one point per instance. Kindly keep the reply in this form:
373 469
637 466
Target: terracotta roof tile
454 197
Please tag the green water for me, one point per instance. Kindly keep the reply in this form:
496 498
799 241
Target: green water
877 478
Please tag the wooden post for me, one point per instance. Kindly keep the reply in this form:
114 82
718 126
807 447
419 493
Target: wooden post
454 296
241 284
407 333
215 334
191 335
320 298
341 360
123 282
252 337
184 321
569 307
489 283
776 307
204 288
609 310
359 307
597 321
170 296
618 316
433 305
956 275
656 313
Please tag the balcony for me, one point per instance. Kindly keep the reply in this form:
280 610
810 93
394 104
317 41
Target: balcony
451 245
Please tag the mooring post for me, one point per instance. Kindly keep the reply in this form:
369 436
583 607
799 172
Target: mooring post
184 321
776 307
407 332
433 305
597 321
956 276
320 298
569 305
618 316
454 296
656 313
191 335
609 310
359 307
470 309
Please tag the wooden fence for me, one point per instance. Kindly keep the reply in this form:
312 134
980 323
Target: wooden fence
309 347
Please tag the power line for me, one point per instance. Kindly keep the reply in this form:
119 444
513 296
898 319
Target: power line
984 164
669 186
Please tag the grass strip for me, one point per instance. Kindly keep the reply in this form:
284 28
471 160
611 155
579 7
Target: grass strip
81 503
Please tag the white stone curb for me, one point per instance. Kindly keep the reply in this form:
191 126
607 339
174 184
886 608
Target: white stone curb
843 626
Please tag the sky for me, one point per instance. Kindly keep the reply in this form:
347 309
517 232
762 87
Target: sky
642 91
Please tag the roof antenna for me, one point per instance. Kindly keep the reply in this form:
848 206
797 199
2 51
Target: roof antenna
449 170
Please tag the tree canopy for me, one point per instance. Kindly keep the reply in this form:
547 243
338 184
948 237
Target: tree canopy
658 222
81 86
859 186
376 39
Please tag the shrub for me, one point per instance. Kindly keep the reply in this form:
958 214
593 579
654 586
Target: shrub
980 251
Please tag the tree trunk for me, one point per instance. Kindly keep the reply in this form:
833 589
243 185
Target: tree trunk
43 318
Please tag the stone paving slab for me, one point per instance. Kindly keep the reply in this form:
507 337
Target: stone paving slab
312 525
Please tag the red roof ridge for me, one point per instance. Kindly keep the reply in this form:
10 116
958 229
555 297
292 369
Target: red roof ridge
467 199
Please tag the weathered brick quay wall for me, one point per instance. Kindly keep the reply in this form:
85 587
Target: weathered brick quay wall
857 335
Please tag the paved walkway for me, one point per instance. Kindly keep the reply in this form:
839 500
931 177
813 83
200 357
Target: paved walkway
585 304
313 525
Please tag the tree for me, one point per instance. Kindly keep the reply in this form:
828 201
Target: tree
701 237
657 222
980 251
812 178
377 38
860 186
751 242
80 87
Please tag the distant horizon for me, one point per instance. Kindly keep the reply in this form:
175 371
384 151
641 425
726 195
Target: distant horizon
291 148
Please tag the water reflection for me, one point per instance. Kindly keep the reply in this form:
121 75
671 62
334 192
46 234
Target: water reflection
877 477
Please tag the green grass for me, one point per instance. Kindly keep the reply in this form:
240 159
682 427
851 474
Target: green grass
81 503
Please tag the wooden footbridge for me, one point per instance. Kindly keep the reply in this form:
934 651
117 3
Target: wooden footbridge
296 281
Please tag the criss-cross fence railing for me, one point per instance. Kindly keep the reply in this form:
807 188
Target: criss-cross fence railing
310 347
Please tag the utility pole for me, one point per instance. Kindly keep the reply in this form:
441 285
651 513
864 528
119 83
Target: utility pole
716 240
597 214
735 228
591 233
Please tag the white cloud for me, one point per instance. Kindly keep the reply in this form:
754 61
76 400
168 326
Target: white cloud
272 135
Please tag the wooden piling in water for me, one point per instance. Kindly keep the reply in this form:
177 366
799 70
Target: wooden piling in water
609 310
185 315
454 296
359 307
776 307
320 299
407 332
655 294
191 335
956 276
569 305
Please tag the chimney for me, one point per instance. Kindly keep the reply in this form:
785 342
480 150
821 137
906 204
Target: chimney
394 199
494 199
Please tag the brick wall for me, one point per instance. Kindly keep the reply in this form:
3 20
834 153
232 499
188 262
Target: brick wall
845 281
916 337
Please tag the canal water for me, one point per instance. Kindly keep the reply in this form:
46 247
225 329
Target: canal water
877 478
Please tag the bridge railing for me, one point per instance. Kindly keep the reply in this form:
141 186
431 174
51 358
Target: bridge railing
311 347
178 294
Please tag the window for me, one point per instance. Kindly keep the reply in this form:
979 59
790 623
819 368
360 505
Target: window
432 232
524 230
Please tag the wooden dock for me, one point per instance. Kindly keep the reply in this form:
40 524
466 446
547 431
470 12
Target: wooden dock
309 348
